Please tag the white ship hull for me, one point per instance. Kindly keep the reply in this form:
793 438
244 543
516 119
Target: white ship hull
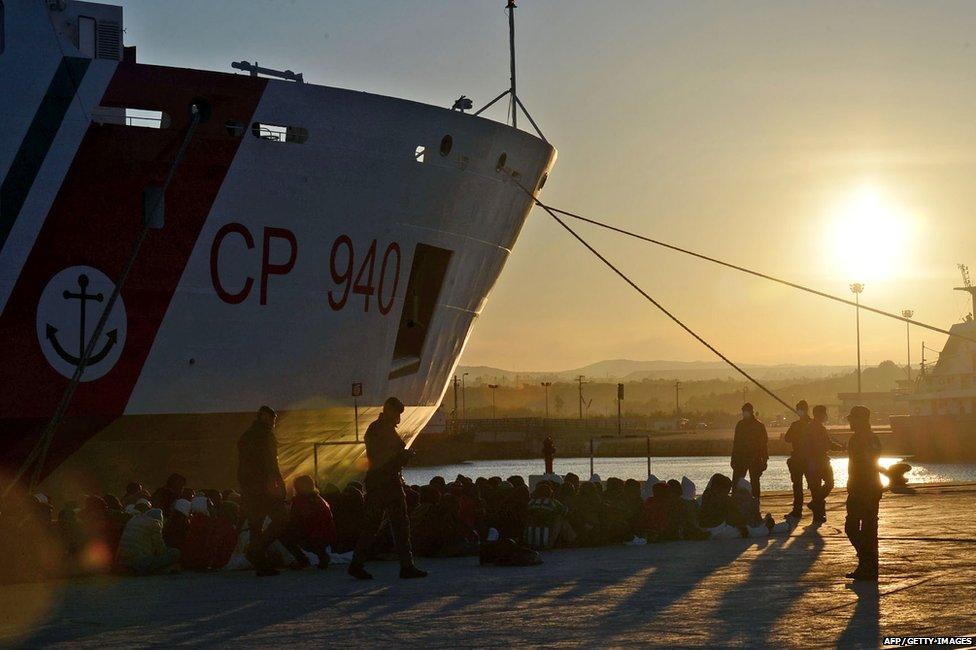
286 270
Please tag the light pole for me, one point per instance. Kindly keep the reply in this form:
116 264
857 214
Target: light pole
457 427
545 385
580 381
677 404
908 313
856 289
464 401
492 387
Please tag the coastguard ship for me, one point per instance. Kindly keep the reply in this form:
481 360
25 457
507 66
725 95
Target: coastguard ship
941 424
315 249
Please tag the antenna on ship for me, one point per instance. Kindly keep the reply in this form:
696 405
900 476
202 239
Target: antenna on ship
514 102
968 287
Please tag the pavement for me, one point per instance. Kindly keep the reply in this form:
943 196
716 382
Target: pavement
787 592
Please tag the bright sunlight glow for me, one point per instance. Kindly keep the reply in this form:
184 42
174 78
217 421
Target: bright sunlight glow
870 236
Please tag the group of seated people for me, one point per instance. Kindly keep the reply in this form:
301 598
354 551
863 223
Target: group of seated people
181 528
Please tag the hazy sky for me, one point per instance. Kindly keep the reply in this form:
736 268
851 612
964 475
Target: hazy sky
825 142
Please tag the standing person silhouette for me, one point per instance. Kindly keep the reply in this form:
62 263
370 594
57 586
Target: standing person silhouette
796 436
549 452
750 449
263 493
384 492
863 494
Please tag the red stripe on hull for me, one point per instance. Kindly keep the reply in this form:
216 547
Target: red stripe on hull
95 219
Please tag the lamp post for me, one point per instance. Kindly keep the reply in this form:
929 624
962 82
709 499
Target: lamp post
545 385
677 403
492 387
856 289
908 313
464 401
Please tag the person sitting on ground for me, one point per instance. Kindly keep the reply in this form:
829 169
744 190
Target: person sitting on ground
654 522
195 551
632 503
617 526
545 518
133 492
311 526
224 531
743 508
683 515
177 526
102 531
142 549
164 497
587 514
715 502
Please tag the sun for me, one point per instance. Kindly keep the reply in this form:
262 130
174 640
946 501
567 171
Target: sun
870 236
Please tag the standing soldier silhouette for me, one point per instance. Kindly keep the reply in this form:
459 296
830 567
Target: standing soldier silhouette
819 473
796 436
263 492
384 492
549 452
863 493
750 449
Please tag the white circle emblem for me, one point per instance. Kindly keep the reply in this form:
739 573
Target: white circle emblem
67 313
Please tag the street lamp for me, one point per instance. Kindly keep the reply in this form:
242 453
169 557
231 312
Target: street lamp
464 401
908 313
492 387
546 385
856 289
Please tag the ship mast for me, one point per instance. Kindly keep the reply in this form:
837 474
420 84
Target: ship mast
967 287
515 103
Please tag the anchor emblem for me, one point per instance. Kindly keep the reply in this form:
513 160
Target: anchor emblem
52 332
72 301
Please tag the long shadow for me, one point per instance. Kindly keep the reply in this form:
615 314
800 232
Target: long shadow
864 626
673 578
163 606
776 577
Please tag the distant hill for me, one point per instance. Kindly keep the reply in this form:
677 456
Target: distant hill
630 370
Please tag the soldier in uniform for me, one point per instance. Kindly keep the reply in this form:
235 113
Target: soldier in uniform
863 494
819 473
263 492
796 436
750 449
387 455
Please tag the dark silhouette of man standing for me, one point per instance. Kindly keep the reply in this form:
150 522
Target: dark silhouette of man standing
549 452
384 492
750 449
819 473
796 436
863 493
263 492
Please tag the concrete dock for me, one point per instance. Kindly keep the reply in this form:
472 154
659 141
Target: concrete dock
788 592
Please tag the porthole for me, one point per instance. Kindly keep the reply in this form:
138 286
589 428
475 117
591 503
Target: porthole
447 143
502 159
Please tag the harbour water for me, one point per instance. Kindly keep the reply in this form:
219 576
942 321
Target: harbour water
698 469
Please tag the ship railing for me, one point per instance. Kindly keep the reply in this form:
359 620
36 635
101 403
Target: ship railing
330 443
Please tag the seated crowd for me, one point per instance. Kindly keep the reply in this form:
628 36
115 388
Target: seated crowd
178 527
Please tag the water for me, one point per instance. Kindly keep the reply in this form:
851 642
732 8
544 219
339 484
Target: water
698 469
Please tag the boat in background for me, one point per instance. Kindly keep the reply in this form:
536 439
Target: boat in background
942 406
322 249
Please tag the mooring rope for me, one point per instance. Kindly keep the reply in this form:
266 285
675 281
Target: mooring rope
758 274
654 302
